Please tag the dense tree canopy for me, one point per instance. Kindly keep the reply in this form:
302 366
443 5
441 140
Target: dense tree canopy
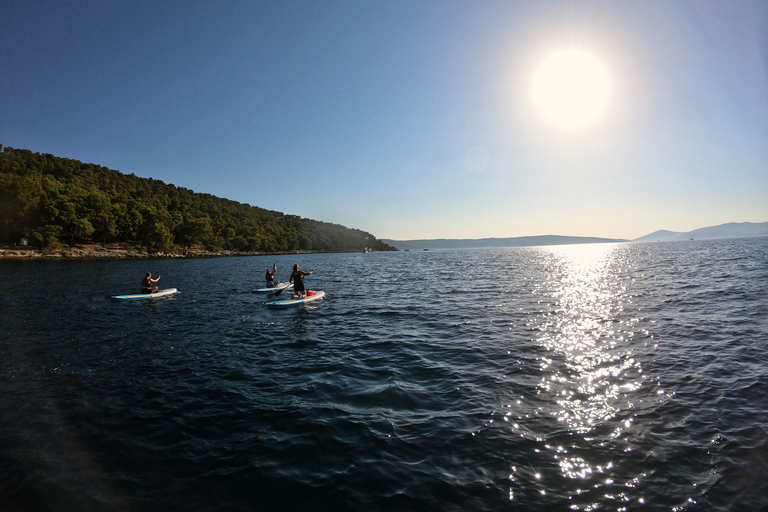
56 201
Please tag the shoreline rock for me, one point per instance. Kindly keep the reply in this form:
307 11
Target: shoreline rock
99 252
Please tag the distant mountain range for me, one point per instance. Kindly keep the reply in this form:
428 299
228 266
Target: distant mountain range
522 241
730 230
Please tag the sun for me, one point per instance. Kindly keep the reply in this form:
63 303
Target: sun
571 89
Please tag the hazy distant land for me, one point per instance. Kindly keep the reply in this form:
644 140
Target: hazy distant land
522 241
730 230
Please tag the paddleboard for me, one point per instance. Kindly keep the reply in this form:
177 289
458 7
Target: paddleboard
281 286
138 296
287 303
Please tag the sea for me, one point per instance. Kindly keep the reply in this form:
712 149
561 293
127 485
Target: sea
619 377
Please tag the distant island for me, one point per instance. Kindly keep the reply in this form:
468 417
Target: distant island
55 204
522 241
730 230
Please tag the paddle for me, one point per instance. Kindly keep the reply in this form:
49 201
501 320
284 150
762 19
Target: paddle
281 290
278 292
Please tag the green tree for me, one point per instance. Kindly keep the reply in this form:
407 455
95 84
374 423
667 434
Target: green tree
62 199
161 238
46 236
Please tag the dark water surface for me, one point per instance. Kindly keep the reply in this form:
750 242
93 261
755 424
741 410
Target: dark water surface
591 377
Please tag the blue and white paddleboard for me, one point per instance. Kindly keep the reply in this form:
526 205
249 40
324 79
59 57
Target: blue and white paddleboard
287 303
281 286
138 296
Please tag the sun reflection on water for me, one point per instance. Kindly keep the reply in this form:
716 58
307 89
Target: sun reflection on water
587 337
589 376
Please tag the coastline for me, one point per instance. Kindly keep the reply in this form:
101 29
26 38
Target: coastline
116 253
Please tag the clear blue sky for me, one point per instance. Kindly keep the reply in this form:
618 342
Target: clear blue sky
407 119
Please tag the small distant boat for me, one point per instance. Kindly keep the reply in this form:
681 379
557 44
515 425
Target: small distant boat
139 296
426 249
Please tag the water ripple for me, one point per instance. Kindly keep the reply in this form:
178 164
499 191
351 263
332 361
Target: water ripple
612 377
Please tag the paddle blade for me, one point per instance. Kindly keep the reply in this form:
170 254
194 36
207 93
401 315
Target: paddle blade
278 292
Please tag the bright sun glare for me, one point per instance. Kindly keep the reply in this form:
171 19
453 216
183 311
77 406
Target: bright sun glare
571 89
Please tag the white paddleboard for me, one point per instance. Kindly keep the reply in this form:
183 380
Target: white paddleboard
138 296
281 286
287 303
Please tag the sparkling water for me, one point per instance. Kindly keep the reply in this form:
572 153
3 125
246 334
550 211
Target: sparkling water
583 377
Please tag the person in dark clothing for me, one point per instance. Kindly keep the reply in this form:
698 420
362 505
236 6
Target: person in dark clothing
297 278
271 276
147 283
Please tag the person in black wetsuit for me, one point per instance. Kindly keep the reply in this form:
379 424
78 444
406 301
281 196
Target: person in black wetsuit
297 278
147 283
271 276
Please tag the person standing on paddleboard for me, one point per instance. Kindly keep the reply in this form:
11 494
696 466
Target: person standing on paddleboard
271 276
297 278
147 282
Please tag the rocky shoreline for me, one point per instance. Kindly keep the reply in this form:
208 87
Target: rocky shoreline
99 252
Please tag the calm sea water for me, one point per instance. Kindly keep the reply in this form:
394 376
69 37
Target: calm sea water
591 377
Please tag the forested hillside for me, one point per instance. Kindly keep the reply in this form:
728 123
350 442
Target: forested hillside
55 202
